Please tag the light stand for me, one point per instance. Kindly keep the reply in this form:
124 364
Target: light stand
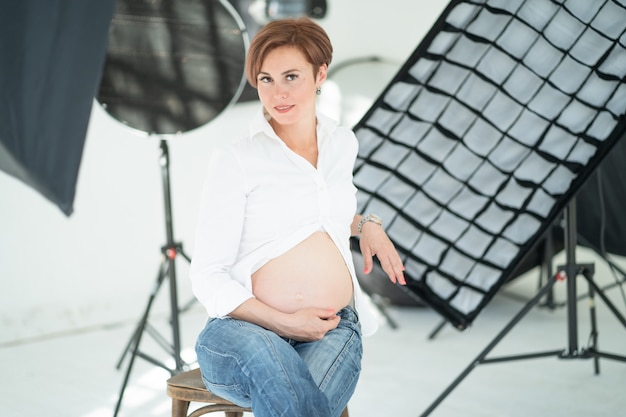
171 67
568 272
167 269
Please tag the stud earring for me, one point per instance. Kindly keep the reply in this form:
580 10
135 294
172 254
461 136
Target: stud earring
318 91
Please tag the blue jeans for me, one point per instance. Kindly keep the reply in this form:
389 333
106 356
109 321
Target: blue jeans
254 367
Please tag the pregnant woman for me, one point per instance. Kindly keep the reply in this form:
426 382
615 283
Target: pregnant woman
272 262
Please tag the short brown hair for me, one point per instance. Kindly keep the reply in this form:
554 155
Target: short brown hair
304 34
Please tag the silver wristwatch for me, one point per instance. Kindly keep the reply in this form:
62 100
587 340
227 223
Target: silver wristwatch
369 218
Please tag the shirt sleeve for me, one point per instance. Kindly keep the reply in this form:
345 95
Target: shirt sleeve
218 233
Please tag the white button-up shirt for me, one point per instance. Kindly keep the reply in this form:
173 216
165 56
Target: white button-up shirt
260 199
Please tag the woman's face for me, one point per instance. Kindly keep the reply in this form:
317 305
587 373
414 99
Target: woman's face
286 85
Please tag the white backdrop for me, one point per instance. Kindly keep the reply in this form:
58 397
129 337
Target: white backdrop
98 266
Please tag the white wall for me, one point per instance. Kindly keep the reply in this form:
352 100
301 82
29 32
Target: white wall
99 265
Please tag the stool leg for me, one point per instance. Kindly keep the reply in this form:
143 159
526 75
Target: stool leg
179 408
233 414
344 413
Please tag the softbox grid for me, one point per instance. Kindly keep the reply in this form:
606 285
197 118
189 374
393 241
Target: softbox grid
485 134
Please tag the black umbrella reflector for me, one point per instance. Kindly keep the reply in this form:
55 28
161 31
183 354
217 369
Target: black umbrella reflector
172 66
485 135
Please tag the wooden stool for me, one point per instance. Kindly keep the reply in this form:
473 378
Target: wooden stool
188 386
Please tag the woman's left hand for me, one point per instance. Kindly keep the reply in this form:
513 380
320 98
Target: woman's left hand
375 242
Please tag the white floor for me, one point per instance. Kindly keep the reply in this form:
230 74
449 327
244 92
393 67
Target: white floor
75 375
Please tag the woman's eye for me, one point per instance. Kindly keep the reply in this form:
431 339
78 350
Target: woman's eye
291 77
265 79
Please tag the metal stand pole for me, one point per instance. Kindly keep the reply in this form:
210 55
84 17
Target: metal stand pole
167 269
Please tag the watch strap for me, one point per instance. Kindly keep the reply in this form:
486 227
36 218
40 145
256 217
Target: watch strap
369 218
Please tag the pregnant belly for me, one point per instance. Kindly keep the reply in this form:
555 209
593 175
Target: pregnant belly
311 274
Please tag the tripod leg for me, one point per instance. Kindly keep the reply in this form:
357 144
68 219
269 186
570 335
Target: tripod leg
137 339
184 255
382 308
141 325
437 329
589 277
594 329
192 300
174 311
594 287
481 357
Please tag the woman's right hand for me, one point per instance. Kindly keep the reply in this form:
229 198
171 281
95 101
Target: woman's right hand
308 324
305 325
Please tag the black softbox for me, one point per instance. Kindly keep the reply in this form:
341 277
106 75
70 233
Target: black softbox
51 58
494 124
601 223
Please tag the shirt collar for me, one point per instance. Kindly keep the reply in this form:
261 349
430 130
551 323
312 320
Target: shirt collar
260 125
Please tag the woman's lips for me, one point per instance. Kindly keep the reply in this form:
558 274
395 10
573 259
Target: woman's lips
283 109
